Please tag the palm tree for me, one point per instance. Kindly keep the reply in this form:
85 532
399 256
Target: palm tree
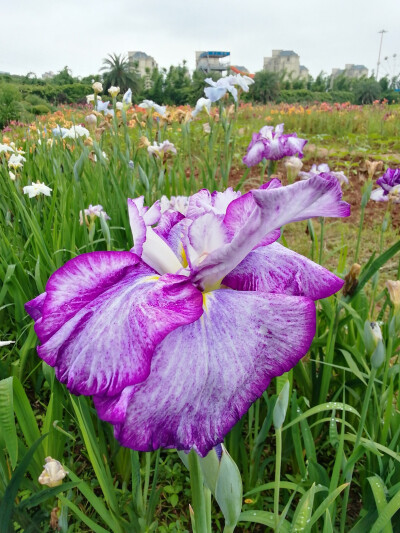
118 71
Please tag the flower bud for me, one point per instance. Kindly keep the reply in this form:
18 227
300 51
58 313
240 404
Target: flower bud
97 87
378 356
91 120
372 336
53 473
393 288
114 91
293 166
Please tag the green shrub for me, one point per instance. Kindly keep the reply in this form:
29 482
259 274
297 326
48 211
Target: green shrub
40 109
10 107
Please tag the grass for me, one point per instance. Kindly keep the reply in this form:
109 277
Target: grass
333 464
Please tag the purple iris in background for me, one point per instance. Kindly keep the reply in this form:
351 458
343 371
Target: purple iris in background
176 338
390 186
321 169
270 143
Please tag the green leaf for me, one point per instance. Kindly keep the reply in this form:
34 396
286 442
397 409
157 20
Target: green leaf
8 501
229 489
8 430
385 515
263 517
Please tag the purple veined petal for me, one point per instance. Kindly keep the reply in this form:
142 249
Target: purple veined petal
255 154
153 214
109 343
204 235
276 149
379 195
34 308
199 204
137 223
76 284
279 129
295 145
318 196
277 269
167 221
221 200
267 132
205 376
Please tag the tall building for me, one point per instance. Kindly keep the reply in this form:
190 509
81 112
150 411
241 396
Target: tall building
211 61
351 71
142 63
287 62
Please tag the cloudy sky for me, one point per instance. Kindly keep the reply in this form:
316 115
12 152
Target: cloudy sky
43 35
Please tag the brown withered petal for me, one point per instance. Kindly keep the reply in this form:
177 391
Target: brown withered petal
351 280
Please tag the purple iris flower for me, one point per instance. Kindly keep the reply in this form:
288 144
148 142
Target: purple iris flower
321 169
390 186
176 338
271 143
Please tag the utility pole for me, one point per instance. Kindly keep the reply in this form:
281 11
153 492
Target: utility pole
379 56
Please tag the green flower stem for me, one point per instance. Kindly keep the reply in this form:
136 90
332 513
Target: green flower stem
229 529
321 240
278 463
272 165
360 227
365 407
389 350
198 499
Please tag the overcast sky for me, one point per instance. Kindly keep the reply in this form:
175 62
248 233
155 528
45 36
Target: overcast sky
43 35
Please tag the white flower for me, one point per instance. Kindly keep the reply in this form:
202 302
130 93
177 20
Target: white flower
119 105
6 343
53 473
206 127
93 211
89 98
12 175
5 148
202 103
176 203
75 132
97 87
127 98
17 150
149 104
91 120
37 188
114 91
218 88
161 149
16 161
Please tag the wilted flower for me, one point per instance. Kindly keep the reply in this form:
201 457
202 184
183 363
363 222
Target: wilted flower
202 103
161 149
373 167
149 104
271 143
16 161
351 279
389 186
53 473
144 142
206 127
393 288
178 337
219 88
93 211
90 98
97 87
321 169
37 188
114 91
293 166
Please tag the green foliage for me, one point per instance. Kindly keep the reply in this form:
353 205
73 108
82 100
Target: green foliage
10 108
118 72
266 87
367 90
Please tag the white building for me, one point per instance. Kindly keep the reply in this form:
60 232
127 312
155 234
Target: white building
351 71
287 62
142 63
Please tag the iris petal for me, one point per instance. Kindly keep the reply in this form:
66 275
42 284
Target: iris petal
204 376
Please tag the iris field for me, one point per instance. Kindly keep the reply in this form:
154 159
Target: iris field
319 450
